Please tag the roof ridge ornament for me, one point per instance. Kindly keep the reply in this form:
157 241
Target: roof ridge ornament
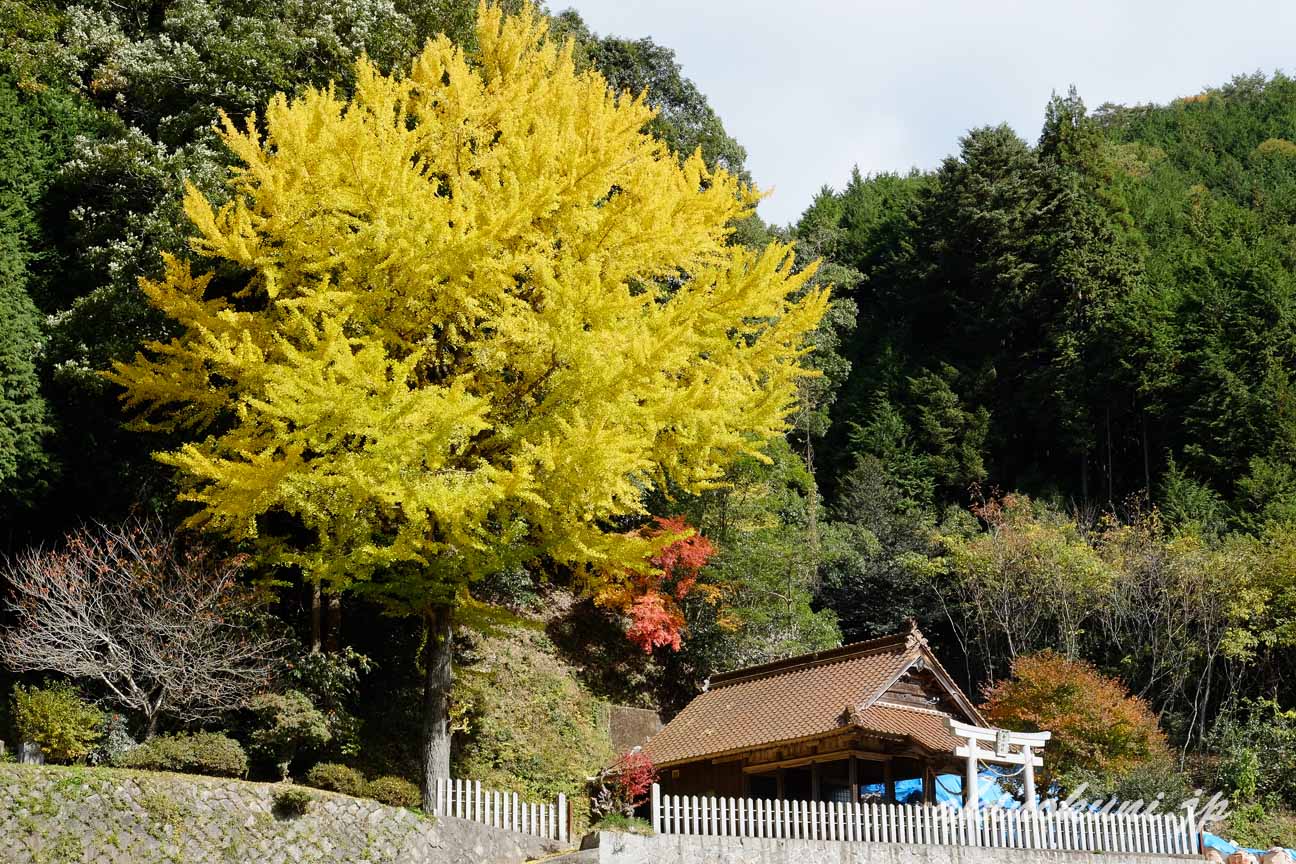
915 636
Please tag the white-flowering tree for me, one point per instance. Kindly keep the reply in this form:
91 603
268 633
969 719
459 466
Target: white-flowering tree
167 631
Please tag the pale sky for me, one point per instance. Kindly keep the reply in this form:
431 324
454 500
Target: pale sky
812 87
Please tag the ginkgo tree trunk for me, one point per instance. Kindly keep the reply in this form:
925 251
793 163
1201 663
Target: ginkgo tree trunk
465 318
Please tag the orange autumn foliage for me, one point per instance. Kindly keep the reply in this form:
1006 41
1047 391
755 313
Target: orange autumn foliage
651 596
1097 724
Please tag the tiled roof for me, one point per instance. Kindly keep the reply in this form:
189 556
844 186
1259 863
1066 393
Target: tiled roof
927 728
802 697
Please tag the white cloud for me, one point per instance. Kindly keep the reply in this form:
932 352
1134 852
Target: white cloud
812 87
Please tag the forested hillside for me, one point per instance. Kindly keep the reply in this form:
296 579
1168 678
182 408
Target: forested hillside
1101 320
1101 314
1055 407
1067 423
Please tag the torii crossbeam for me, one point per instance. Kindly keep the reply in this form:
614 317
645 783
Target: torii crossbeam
1003 743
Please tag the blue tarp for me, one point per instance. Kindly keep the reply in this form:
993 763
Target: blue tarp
1212 841
949 789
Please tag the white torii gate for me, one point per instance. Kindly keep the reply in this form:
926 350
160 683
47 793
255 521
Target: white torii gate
1003 741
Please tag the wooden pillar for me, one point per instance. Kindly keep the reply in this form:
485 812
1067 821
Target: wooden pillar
814 781
781 787
929 782
853 774
888 777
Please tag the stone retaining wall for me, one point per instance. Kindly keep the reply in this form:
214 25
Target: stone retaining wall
616 848
105 816
631 727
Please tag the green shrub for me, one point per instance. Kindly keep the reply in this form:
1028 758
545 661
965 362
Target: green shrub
331 680
1256 743
115 741
200 753
1253 826
287 722
291 801
1158 781
1240 770
56 717
623 823
393 791
336 778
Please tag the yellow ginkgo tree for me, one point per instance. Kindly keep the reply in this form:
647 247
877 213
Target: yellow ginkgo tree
463 319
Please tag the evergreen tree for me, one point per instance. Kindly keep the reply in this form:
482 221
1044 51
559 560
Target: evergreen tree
34 129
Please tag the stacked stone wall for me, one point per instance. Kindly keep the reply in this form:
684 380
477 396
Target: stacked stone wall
51 815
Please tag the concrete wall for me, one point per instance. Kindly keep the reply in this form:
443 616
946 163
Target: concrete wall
614 848
631 727
103 816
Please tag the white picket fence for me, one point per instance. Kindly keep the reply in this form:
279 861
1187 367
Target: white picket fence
921 824
466 799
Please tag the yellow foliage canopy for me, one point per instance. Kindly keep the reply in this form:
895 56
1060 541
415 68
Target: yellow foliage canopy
482 311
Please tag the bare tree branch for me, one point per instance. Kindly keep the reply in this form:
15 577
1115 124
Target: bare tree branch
166 631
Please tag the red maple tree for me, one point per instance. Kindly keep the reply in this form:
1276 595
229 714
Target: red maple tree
652 595
623 786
